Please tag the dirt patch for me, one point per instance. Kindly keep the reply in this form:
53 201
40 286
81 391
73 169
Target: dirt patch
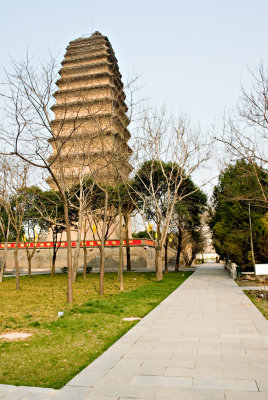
259 294
251 282
13 336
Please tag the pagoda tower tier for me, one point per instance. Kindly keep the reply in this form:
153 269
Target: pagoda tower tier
90 132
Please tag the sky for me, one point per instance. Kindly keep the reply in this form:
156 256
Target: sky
190 55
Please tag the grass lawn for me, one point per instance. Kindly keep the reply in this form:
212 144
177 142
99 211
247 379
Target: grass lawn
257 298
62 347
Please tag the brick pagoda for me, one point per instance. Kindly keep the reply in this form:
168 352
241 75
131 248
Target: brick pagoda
90 125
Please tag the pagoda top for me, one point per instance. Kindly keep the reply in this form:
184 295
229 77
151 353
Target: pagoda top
96 33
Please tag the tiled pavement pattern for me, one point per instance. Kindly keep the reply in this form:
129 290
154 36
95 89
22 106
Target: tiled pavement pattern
205 341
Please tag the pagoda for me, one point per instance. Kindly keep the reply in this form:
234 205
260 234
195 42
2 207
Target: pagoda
90 132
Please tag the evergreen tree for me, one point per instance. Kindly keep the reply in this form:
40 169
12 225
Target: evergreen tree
239 215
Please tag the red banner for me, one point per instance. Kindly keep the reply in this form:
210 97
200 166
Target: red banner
88 243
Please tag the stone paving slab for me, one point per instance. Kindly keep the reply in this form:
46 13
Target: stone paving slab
24 393
205 341
189 394
242 395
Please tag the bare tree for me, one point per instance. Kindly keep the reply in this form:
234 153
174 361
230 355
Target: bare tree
5 218
81 207
173 152
14 204
245 131
81 202
33 223
47 209
32 237
103 216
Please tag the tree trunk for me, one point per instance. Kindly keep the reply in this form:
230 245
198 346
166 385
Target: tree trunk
102 264
55 250
76 257
191 260
120 270
16 251
54 256
166 256
5 253
4 262
179 236
158 255
158 263
85 262
126 218
77 249
251 238
69 252
85 252
102 248
79 233
188 257
29 258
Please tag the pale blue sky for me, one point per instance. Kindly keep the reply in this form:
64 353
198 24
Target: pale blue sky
191 54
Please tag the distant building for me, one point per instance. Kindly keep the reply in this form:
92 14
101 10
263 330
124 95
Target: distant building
209 253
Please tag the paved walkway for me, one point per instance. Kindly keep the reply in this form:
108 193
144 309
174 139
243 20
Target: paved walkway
205 341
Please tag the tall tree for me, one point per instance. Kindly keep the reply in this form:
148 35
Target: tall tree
238 213
162 190
187 219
